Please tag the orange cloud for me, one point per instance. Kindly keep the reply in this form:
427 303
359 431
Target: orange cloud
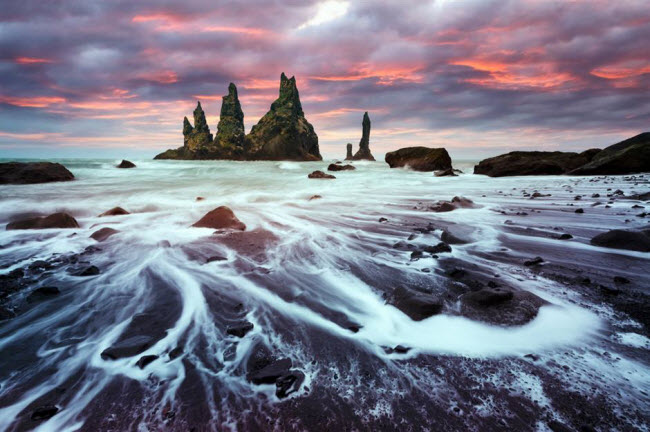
620 71
241 30
162 77
384 76
32 102
31 60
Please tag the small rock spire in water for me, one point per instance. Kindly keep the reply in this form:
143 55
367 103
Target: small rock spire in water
348 155
364 144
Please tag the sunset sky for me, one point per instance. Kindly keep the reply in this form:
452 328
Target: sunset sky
115 78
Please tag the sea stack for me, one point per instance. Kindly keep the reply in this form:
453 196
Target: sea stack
348 155
364 145
284 133
230 130
199 136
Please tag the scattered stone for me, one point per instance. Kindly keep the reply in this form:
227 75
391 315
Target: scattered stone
56 220
145 360
221 218
320 175
499 306
382 219
441 247
271 372
315 197
128 347
621 280
103 234
42 293
533 262
401 349
126 164
240 330
200 198
115 211
580 211
215 258
415 304
44 412
33 172
339 167
565 237
289 383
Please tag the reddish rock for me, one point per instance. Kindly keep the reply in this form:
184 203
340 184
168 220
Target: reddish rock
56 220
221 218
115 211
103 234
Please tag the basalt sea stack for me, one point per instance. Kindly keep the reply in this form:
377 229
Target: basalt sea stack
282 134
364 145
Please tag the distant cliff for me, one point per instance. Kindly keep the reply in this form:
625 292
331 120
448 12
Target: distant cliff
282 134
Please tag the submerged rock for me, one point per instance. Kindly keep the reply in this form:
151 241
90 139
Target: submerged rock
42 293
622 239
56 220
419 158
364 145
220 218
33 172
102 234
271 372
44 412
284 132
126 164
320 175
115 211
415 304
341 167
500 306
445 173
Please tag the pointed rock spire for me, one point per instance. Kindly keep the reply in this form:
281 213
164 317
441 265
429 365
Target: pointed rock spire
200 123
230 130
364 144
289 99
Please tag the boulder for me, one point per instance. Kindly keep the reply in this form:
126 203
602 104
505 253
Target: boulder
289 383
501 306
126 164
103 233
626 157
364 145
115 211
145 360
271 372
240 330
320 175
419 158
340 167
42 293
415 304
220 218
623 239
44 412
523 163
33 172
128 347
284 133
455 203
56 220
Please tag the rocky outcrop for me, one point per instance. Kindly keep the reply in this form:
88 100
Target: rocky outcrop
56 220
364 145
419 158
126 164
348 153
521 163
33 172
284 133
230 130
220 218
627 157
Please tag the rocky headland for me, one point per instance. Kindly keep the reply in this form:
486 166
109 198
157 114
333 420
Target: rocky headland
283 133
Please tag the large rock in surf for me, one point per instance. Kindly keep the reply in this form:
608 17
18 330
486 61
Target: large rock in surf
320 175
419 158
56 220
284 133
415 304
115 211
626 157
500 306
33 172
341 167
221 218
126 164
522 163
623 239
364 145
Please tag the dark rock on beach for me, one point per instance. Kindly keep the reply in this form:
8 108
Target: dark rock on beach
102 234
221 218
419 159
240 330
44 412
341 167
500 306
33 172
56 220
42 293
128 347
417 305
622 239
126 164
320 175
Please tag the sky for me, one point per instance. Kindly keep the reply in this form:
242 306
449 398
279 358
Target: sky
91 78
